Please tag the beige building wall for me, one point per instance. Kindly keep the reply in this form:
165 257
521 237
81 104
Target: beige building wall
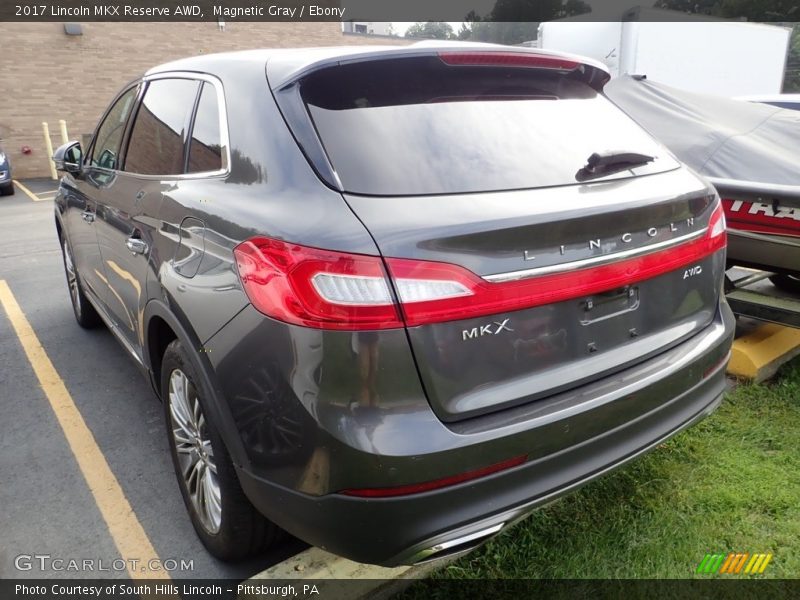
48 75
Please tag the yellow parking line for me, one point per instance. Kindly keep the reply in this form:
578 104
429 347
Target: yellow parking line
125 529
26 191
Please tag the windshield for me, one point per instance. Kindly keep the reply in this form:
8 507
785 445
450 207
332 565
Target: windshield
416 126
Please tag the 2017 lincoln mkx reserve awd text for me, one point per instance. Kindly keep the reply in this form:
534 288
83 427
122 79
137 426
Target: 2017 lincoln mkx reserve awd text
393 299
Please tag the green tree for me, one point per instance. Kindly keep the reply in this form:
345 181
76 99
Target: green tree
760 10
517 21
435 30
526 10
498 33
573 8
702 7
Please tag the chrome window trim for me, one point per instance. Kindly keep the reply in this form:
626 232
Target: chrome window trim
593 261
223 126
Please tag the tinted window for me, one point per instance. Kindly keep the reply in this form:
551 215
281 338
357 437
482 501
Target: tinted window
418 126
105 152
156 145
205 147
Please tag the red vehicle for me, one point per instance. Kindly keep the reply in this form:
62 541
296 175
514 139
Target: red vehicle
763 228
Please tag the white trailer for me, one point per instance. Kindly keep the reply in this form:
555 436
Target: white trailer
728 58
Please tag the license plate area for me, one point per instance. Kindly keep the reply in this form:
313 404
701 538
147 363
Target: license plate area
608 305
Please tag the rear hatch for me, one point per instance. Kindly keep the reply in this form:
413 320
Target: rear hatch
521 271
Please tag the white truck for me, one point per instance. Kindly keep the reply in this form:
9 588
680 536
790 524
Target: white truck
728 58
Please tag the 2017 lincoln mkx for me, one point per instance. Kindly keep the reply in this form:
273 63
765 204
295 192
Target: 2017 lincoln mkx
393 299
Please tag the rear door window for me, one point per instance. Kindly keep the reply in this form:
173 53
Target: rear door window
417 126
157 140
205 146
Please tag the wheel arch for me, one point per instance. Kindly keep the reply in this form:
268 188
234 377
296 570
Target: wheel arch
161 328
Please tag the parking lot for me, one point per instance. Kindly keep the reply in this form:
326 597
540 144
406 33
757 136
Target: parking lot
86 471
84 464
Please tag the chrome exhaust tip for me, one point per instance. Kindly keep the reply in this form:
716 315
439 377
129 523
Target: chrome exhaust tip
455 546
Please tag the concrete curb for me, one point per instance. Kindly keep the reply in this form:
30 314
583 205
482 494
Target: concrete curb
328 573
758 354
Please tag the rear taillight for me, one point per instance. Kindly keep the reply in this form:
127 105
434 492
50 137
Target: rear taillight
717 225
335 290
316 288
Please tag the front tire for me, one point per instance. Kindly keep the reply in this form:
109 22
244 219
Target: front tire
224 519
85 314
7 189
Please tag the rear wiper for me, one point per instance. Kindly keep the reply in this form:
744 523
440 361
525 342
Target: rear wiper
605 163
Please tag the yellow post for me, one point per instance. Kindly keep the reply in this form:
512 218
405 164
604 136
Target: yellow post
49 147
64 135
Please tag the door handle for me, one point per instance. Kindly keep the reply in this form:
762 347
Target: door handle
88 216
136 245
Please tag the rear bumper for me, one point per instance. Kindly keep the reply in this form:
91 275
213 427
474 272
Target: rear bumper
678 388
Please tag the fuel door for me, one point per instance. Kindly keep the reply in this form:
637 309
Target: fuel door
191 247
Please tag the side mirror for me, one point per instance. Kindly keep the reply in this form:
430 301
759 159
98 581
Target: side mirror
69 157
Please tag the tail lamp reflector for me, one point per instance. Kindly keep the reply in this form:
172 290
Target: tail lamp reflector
426 486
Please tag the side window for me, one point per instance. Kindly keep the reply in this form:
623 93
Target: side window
156 144
105 152
205 147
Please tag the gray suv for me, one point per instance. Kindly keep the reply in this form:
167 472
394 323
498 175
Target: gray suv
393 299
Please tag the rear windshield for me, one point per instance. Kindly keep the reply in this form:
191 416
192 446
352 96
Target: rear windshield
417 126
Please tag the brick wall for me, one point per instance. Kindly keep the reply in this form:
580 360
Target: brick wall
47 75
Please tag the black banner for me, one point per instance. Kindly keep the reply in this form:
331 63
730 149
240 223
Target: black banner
385 10
718 588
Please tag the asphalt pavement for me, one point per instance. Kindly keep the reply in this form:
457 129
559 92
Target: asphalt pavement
47 506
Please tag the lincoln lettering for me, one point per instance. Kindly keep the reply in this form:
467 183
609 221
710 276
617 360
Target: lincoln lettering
625 238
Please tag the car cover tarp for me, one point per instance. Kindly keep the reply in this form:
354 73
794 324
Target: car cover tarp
718 137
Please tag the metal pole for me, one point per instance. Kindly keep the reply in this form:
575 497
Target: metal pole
49 147
64 135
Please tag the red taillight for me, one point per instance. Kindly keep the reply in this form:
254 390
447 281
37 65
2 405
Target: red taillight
488 298
417 488
507 59
316 288
335 290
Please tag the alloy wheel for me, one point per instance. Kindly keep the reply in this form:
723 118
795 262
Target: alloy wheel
72 277
194 450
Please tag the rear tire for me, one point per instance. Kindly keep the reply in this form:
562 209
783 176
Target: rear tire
7 189
84 312
787 283
225 521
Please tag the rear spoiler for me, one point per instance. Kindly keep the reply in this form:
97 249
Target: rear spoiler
283 71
